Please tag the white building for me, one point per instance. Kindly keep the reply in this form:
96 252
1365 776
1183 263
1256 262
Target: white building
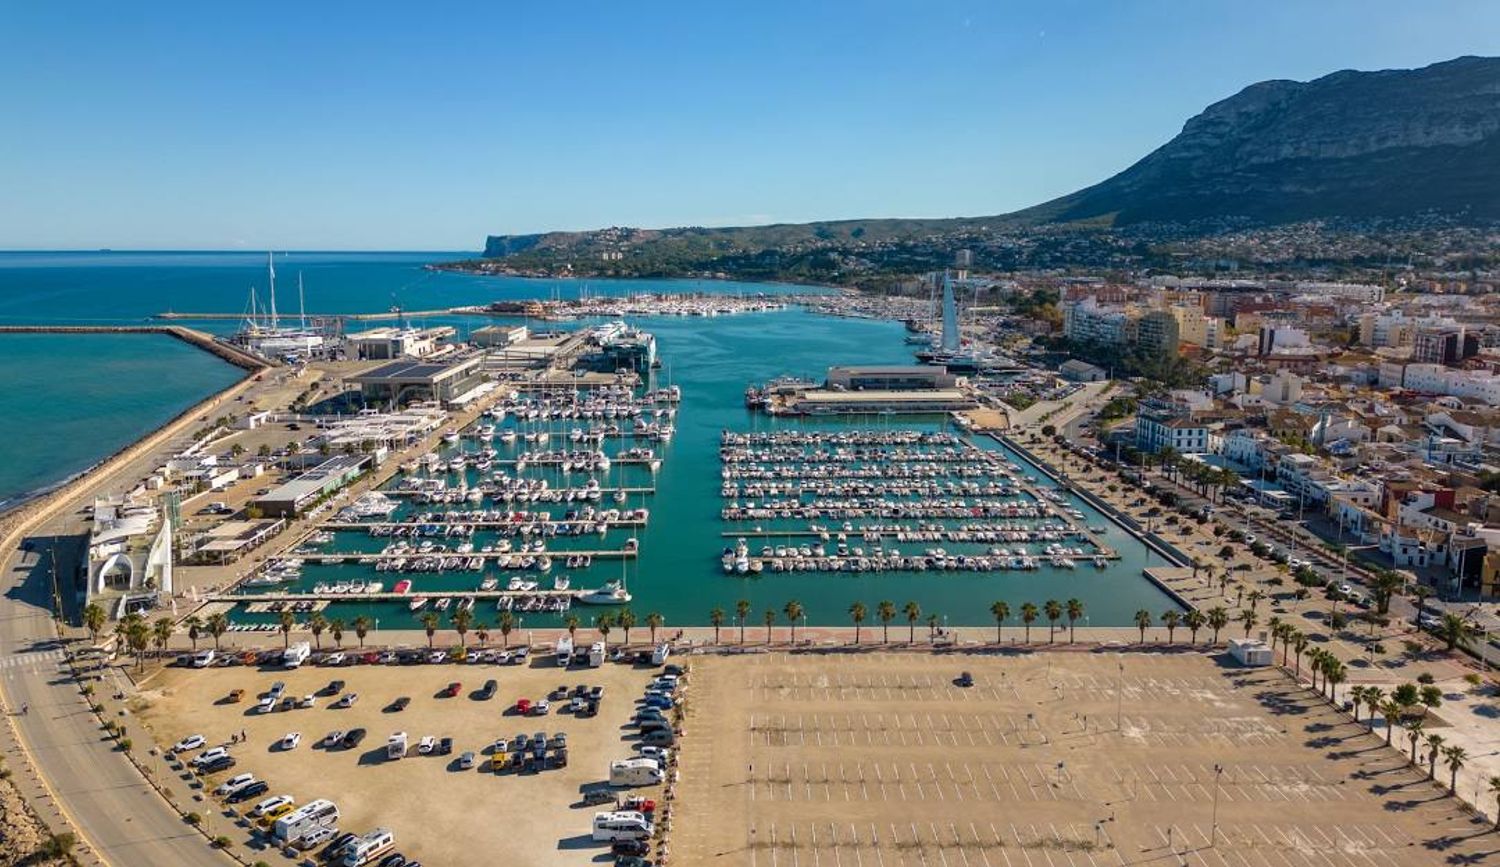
1088 321
1362 292
130 547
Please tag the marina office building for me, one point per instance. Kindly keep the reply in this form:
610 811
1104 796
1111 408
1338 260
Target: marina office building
290 498
130 548
404 382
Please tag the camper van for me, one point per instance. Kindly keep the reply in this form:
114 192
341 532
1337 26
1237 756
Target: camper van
623 825
303 820
395 746
204 658
295 655
660 653
596 654
370 848
634 772
564 651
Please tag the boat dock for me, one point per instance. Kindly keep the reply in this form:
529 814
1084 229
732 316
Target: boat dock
262 602
414 492
632 523
334 559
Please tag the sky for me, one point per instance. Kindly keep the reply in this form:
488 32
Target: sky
375 125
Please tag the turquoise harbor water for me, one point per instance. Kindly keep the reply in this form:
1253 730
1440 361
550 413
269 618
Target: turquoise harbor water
678 572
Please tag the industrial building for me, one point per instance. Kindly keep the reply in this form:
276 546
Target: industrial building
495 336
379 344
290 498
891 378
404 382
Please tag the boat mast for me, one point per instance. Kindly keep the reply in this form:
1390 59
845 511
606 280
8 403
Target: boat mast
301 302
271 269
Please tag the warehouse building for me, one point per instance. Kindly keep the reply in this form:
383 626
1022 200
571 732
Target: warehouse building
291 498
404 382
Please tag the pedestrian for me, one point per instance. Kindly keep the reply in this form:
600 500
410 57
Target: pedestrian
25 709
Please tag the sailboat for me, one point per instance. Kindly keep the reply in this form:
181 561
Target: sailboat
266 336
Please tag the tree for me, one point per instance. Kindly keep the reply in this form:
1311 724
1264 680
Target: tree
362 626
571 622
625 619
1248 618
94 618
194 625
1434 748
316 622
1001 612
1334 674
1414 735
1455 631
1455 755
138 638
602 625
654 622
1029 614
769 616
218 624
1356 699
482 632
161 633
285 620
1218 618
1053 609
716 619
1392 712
1170 618
336 629
1254 598
793 611
506 622
1074 608
463 618
1374 700
1143 622
885 612
1299 646
1431 695
742 613
857 613
1385 585
1194 620
1406 695
1422 592
913 613
429 621
1495 790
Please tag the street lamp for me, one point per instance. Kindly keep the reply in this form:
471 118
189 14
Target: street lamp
1119 692
1214 832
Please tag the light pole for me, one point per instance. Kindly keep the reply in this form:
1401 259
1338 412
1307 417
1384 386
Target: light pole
1214 832
1119 692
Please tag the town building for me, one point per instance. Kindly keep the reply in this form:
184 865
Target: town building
290 498
380 344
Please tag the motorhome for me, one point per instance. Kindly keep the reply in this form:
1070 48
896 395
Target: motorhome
370 848
321 813
564 651
395 746
621 825
596 654
660 653
634 772
204 658
295 655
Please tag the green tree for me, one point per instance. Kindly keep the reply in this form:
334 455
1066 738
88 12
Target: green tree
602 625
362 625
1218 618
1455 631
571 623
161 633
1029 614
429 620
1053 609
462 619
506 623
316 623
1249 620
285 620
1001 612
742 614
1391 711
1434 750
336 629
94 618
1074 608
769 616
654 622
885 612
194 625
1170 619
716 620
857 614
913 614
1494 784
1143 622
1385 585
1455 756
218 624
1194 620
793 611
1423 592
625 619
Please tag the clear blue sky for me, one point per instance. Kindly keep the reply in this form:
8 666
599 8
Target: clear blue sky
425 126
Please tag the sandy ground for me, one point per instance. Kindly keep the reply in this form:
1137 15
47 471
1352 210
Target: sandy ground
440 813
879 759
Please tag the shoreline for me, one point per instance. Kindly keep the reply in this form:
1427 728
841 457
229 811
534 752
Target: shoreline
454 268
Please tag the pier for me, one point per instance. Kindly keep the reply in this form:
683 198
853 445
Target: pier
206 342
478 525
263 600
612 553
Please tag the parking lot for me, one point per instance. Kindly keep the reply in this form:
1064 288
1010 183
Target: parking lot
441 814
1048 760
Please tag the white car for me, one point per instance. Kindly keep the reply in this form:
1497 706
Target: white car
661 754
191 742
347 700
332 738
270 804
308 701
502 745
266 705
336 658
315 838
291 741
437 656
234 784
210 755
426 745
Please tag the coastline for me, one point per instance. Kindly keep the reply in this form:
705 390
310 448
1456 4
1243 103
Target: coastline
459 267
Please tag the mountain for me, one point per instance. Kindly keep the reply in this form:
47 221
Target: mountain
1394 143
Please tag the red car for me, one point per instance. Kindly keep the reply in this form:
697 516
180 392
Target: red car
523 706
370 658
644 805
453 689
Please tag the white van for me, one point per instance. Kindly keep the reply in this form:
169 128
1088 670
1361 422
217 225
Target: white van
660 654
596 654
621 825
395 746
204 658
370 848
634 772
295 655
321 813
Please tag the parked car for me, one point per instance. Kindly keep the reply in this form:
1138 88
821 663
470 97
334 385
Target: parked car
269 804
234 784
523 706
353 737
399 704
501 745
235 696
445 746
291 741
437 656
191 742
335 658
466 761
965 679
259 787
333 738
347 700
334 687
426 744
314 838
629 847
452 689
487 692
308 701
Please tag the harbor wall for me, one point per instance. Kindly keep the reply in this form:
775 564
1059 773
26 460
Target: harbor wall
204 341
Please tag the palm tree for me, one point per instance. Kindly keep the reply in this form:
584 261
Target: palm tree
742 613
571 622
316 622
625 618
161 633
1334 674
913 612
463 618
138 637
286 620
94 618
1029 614
1422 592
1218 618
1392 712
857 613
1194 620
602 625
885 612
1385 585
336 629
1356 698
1142 622
1434 747
429 621
362 625
654 622
1374 698
769 616
218 624
716 619
793 612
1074 609
1455 755
194 625
1455 631
1170 618
1254 597
1414 734
481 632
1001 610
1053 609
1495 790
1299 646
507 622
1248 618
